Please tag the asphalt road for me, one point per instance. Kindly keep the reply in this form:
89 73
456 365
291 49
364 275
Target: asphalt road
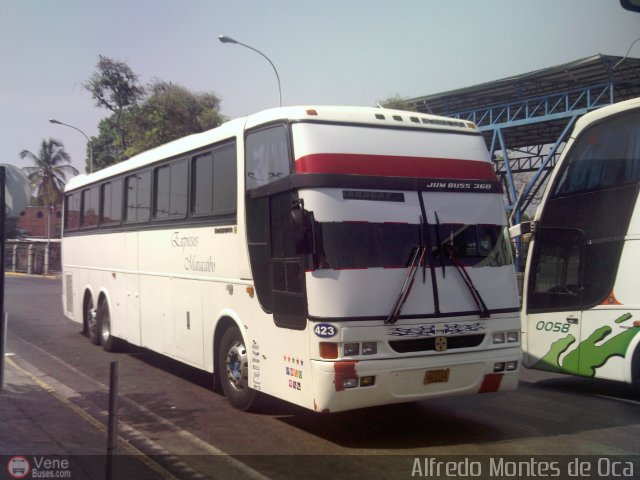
170 411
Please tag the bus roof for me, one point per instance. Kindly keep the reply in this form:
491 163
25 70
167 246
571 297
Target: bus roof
331 114
591 117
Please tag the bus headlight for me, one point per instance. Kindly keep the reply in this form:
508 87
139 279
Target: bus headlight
369 348
512 336
351 349
350 382
498 337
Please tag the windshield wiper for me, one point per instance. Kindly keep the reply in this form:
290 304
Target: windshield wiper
417 259
439 243
477 298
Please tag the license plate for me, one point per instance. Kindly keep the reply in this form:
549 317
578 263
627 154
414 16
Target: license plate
436 376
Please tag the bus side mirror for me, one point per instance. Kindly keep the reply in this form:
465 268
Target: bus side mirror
632 5
302 226
520 229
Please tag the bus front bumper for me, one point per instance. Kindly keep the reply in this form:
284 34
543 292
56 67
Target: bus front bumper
349 384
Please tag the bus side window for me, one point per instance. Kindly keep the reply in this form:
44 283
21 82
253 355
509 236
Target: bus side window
72 211
89 212
215 183
111 203
138 197
171 183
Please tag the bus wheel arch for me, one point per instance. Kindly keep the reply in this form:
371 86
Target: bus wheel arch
89 320
231 365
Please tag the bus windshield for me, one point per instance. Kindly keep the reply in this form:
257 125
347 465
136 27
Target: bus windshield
354 245
606 155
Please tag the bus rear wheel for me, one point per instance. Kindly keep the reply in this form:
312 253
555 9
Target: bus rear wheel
233 361
104 327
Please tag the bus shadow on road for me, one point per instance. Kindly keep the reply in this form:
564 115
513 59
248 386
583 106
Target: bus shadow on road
395 427
590 386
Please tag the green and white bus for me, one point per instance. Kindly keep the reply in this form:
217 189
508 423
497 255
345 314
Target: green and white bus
581 299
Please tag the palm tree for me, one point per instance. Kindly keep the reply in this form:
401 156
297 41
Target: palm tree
49 174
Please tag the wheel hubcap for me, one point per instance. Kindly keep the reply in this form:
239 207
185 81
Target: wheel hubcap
91 321
236 366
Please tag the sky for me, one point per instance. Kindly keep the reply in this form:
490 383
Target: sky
330 52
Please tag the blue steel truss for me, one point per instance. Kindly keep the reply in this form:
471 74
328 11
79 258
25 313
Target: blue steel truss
525 119
540 109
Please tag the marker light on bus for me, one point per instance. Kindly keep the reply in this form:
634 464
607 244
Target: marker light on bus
368 381
328 350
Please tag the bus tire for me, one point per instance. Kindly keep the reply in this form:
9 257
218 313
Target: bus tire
635 369
90 323
109 342
233 361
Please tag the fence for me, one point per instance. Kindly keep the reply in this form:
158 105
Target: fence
32 256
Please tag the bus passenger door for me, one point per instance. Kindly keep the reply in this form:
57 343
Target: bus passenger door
554 301
287 270
278 271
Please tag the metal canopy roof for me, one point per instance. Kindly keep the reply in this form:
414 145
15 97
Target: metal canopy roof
570 79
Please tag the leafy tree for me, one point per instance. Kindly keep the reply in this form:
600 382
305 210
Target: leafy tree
168 112
49 175
396 102
171 111
107 149
114 86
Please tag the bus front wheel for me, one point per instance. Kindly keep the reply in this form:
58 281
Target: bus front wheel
233 361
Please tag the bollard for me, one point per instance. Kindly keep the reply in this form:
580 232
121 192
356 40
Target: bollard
112 429
30 252
46 259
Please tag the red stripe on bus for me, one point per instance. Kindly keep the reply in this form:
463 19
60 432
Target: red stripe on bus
491 383
395 166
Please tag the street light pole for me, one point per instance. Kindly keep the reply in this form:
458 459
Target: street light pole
226 39
53 120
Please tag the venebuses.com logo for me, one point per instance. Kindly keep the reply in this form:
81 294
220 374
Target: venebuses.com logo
18 467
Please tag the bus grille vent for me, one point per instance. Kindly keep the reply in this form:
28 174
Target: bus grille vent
429 344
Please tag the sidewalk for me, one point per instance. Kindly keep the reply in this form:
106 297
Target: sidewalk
45 431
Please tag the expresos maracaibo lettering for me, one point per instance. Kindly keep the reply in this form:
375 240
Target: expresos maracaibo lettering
192 262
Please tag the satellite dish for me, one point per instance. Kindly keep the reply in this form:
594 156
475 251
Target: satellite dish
17 190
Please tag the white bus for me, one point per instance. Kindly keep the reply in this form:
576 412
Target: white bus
332 257
581 302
